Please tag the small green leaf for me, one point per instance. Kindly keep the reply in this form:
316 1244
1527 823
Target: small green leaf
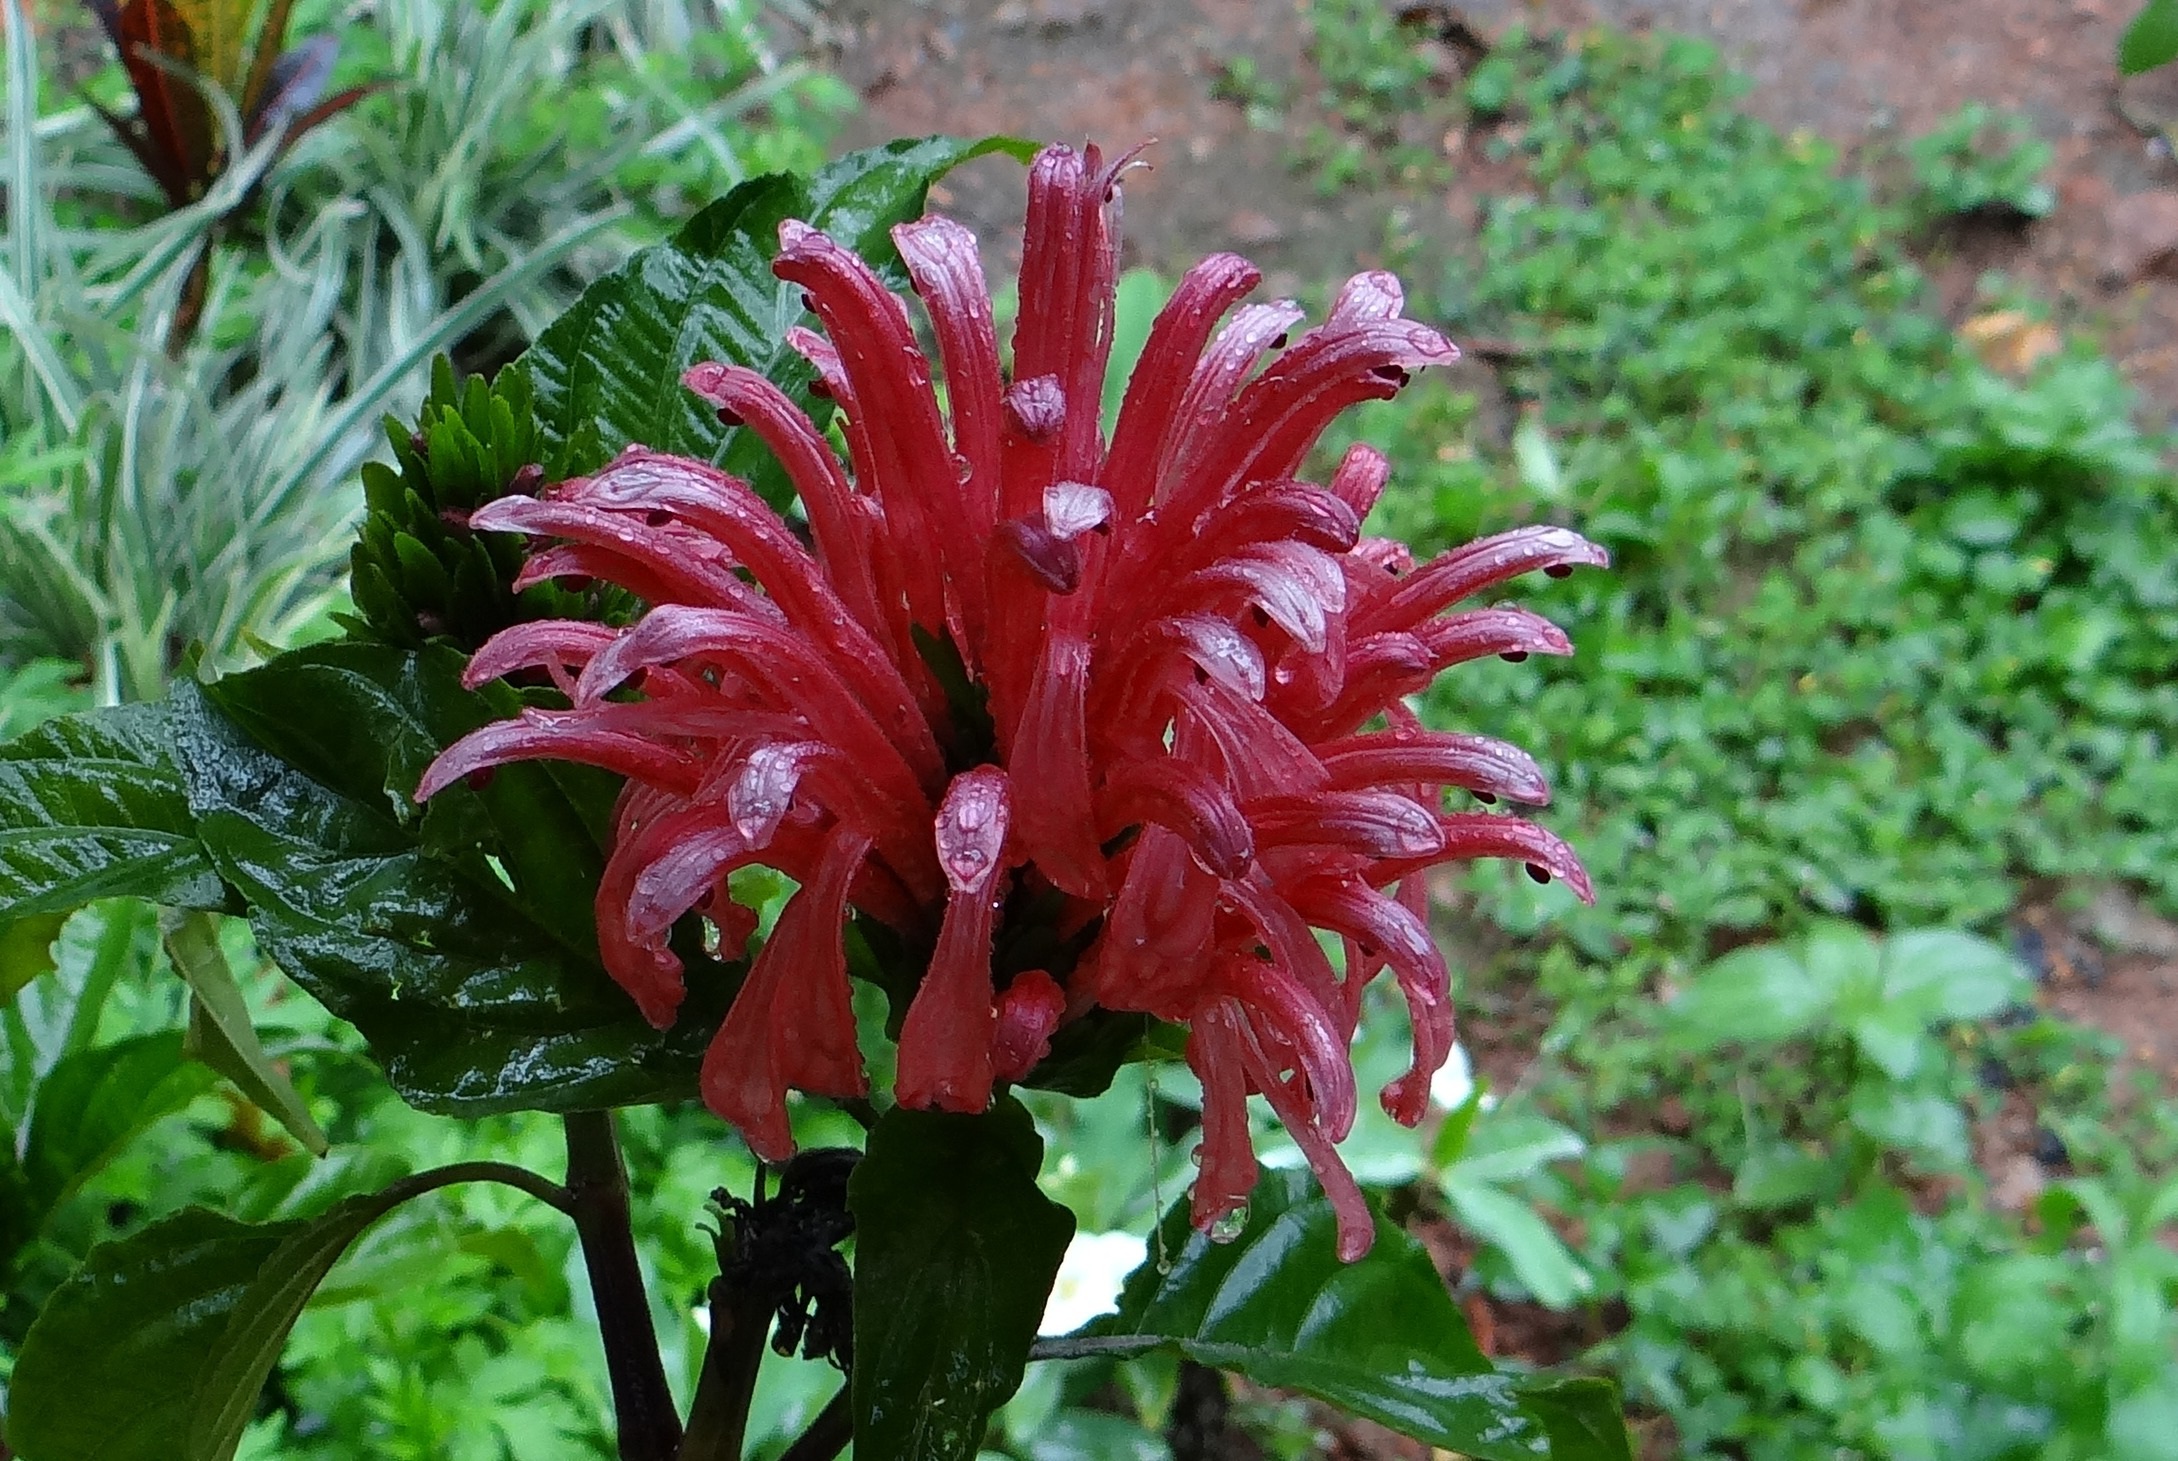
2151 40
221 1033
1539 1258
1758 995
93 1101
1507 1146
1941 974
1380 1338
955 1253
1926 1126
91 806
1844 961
1780 1174
26 950
1894 1040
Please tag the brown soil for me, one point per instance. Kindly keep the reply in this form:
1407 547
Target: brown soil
1863 72
1115 72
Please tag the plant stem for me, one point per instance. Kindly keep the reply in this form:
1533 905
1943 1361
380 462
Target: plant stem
597 1190
828 1434
1122 1345
546 1191
717 1420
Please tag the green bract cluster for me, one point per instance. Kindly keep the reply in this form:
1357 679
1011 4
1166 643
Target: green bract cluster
417 573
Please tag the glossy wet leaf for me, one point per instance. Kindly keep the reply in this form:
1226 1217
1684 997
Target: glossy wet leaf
1380 1338
221 1033
92 806
955 1253
608 372
157 1348
475 996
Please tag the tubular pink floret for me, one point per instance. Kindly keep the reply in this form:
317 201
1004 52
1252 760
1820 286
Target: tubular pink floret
1151 408
1153 694
1464 572
835 525
945 1043
552 644
1184 798
947 267
1473 763
793 1021
1028 1012
538 735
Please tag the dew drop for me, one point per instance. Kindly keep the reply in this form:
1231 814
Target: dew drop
1539 873
1559 570
1514 656
1486 798
1229 1226
963 469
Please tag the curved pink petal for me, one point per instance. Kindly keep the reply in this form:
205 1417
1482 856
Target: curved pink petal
1028 1012
538 735
792 1021
1464 572
945 1042
1435 758
1151 408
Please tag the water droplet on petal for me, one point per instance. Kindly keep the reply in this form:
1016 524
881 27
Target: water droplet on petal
962 467
1538 872
1229 1226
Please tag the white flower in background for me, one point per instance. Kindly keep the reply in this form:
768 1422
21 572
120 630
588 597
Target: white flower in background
1454 1082
1090 1275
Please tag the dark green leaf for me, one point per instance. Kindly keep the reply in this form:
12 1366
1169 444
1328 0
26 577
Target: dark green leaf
158 1346
475 997
26 950
221 1033
91 806
112 1369
2151 40
955 1253
1380 1338
1087 1053
365 720
1582 1417
609 369
93 1101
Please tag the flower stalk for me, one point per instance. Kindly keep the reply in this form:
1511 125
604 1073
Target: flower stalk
597 1193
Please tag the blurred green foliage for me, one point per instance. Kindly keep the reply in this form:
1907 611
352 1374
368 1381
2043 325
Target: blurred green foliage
1886 640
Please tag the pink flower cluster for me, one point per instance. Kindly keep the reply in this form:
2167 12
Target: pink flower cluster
1198 750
